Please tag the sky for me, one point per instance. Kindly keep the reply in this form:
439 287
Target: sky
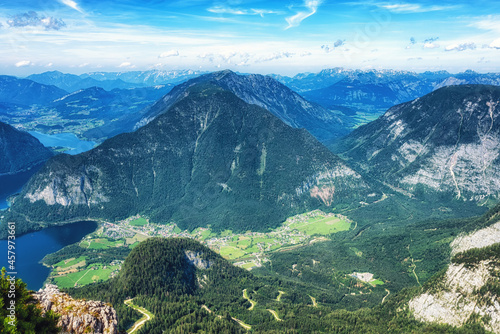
281 37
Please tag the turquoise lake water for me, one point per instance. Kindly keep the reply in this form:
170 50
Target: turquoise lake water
31 248
66 139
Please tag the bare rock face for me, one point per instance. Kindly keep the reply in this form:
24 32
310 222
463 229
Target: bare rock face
458 301
463 291
78 316
195 259
479 239
444 143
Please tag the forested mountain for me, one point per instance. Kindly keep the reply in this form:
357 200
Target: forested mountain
20 151
446 142
209 159
260 90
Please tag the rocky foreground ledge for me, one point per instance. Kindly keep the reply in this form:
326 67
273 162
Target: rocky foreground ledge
78 316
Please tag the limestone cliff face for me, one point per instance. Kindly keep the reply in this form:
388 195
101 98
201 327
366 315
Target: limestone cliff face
459 299
463 293
479 239
447 142
78 316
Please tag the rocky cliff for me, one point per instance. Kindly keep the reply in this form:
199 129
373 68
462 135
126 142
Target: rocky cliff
447 142
78 316
468 291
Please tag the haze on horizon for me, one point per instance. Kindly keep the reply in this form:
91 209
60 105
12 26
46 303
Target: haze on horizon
280 37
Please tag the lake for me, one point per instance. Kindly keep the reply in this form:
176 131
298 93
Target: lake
31 248
66 139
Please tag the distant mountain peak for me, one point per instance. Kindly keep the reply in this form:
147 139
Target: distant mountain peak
267 93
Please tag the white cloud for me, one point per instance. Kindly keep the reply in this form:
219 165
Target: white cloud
230 57
495 44
171 53
226 10
49 65
277 55
234 11
125 64
336 44
431 45
490 23
295 20
404 8
72 4
23 63
461 47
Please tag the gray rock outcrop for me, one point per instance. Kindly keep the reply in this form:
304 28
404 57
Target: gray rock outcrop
78 316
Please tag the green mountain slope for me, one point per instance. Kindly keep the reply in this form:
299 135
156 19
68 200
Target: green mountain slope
210 159
19 151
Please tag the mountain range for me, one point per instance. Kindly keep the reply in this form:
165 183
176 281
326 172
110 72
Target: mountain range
374 91
239 153
112 80
446 142
267 93
210 159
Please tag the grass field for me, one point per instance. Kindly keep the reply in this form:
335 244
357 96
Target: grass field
295 231
135 239
231 252
377 282
70 262
104 243
321 226
85 276
249 265
139 222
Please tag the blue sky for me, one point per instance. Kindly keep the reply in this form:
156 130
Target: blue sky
284 37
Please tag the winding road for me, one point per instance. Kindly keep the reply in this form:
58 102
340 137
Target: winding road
140 322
